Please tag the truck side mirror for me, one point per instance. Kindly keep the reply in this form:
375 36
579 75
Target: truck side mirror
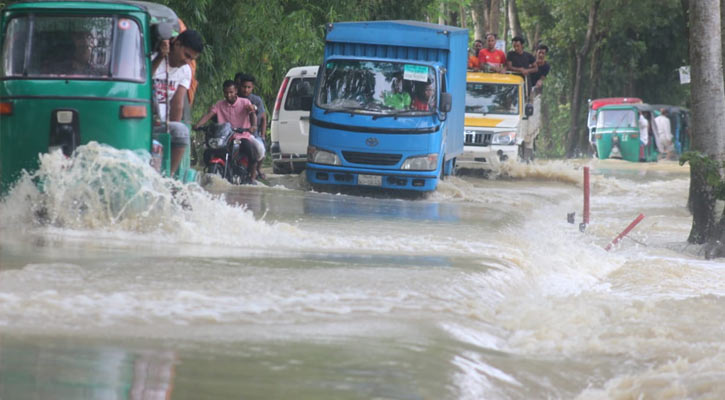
446 102
529 110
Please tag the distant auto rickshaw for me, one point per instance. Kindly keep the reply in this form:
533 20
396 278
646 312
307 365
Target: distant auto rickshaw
618 131
595 104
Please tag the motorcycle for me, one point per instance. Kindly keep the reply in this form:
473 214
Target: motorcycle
224 154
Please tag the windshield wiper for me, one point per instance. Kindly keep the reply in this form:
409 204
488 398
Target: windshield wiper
343 109
480 109
394 114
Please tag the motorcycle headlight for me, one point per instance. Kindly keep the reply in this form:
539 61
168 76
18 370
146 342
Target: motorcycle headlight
216 143
428 162
319 156
504 138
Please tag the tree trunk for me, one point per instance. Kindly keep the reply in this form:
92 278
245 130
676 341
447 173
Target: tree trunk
506 19
708 114
574 134
494 19
535 38
479 12
514 22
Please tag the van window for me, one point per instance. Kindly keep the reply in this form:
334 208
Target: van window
79 46
299 95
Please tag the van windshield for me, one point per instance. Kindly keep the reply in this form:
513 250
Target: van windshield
83 47
616 119
492 98
376 87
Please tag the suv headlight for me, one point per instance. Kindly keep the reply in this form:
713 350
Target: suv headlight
504 138
428 162
319 156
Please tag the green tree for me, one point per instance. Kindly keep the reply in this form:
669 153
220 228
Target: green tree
708 120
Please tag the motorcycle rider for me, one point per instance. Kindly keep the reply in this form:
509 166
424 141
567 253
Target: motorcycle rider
236 111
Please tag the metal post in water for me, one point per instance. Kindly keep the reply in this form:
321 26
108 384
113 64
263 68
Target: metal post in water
625 231
585 184
586 196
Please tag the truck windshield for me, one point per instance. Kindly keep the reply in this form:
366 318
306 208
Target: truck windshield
492 98
616 119
84 47
377 87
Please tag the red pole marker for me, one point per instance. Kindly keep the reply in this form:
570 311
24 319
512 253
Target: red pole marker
586 195
625 232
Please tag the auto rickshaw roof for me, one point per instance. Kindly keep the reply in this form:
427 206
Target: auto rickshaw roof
637 106
671 108
605 101
158 12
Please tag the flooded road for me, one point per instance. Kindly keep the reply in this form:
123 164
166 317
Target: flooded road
481 291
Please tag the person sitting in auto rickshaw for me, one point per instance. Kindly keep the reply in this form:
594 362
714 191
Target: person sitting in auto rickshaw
171 79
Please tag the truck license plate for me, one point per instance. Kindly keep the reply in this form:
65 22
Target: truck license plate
370 180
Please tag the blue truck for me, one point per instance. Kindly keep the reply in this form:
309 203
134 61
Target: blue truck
389 105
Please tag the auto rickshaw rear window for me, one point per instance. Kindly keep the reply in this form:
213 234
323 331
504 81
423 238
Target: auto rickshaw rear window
79 46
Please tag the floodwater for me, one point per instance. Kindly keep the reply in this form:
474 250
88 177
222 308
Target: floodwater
481 291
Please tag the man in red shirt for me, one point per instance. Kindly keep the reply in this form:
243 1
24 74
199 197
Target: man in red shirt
490 58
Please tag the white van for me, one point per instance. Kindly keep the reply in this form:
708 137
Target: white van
291 120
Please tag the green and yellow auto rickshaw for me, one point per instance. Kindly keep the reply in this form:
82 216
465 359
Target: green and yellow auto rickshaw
49 101
618 132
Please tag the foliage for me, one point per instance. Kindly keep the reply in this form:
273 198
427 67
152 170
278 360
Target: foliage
639 44
709 168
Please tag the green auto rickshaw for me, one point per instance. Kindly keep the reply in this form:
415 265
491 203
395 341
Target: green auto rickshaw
618 132
49 101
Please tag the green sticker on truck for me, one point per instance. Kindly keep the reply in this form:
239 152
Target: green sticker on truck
414 72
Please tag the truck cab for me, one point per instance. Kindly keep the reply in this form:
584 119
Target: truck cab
388 106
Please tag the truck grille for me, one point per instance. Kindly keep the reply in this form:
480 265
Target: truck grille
478 139
371 158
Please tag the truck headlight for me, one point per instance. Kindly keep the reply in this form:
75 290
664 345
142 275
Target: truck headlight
428 162
504 138
319 156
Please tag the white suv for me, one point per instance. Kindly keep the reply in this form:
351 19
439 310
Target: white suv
291 120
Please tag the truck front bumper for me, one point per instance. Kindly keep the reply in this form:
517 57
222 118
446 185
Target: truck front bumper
423 181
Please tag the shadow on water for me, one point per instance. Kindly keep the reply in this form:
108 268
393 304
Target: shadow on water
350 206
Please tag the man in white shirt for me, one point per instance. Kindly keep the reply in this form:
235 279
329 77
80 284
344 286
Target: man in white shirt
643 130
170 85
664 135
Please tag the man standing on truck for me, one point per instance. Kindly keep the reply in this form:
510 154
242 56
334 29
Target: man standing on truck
491 58
518 60
536 78
171 79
